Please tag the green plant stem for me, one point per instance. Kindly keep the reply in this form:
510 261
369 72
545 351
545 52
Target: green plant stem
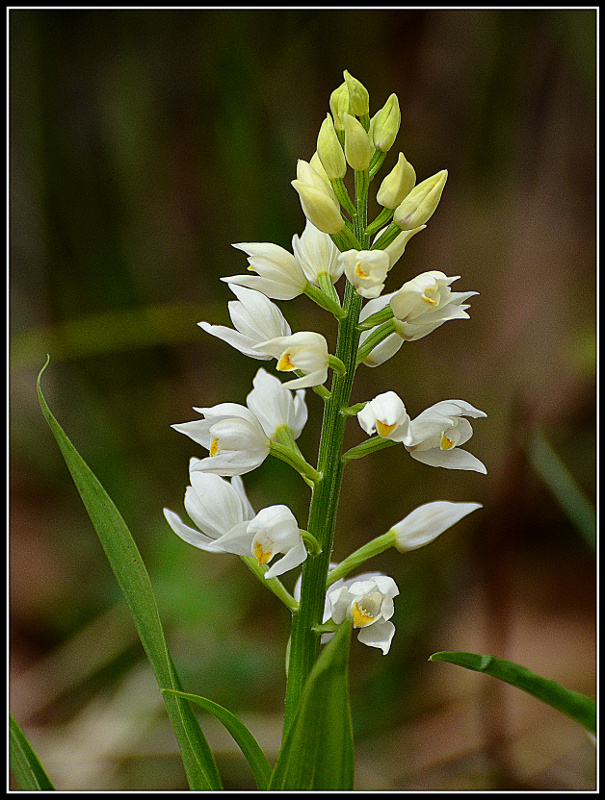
305 641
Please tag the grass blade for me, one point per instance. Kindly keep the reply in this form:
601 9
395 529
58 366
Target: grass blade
251 749
132 576
579 707
25 764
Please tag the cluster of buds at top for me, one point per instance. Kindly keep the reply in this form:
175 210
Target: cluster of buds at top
336 240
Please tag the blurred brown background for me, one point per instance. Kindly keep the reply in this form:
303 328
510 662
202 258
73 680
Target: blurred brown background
142 144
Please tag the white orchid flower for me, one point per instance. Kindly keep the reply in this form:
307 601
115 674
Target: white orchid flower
306 351
427 522
238 437
279 274
425 303
228 524
436 433
221 511
366 270
385 415
317 254
275 530
255 319
419 307
368 600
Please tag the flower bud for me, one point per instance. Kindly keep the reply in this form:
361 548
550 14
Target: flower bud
329 150
420 204
318 201
315 162
397 184
359 98
385 124
358 148
339 103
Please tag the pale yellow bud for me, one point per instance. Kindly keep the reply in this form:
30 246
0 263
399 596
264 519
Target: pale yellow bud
385 124
339 103
329 150
397 184
317 199
359 98
315 162
358 148
420 204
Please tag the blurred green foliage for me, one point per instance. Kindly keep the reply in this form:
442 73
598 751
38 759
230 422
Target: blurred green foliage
143 143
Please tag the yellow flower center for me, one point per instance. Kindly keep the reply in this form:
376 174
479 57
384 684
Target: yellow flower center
214 447
427 298
383 429
360 272
446 444
284 364
260 554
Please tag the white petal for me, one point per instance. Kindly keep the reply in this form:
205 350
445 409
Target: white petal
379 635
293 558
450 459
190 535
242 343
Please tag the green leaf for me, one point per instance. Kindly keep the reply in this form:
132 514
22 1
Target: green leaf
578 706
244 739
25 764
317 753
133 578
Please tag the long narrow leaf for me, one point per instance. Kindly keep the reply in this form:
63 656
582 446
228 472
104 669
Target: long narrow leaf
133 578
25 764
580 708
251 749
317 753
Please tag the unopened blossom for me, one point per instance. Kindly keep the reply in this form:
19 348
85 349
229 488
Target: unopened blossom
238 437
255 319
427 522
385 124
274 531
437 433
421 203
316 254
368 600
306 351
386 416
359 97
330 150
279 275
397 184
358 147
366 270
227 523
317 198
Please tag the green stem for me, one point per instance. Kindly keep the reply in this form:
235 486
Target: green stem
305 640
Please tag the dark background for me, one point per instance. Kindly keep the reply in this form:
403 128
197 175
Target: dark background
144 143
